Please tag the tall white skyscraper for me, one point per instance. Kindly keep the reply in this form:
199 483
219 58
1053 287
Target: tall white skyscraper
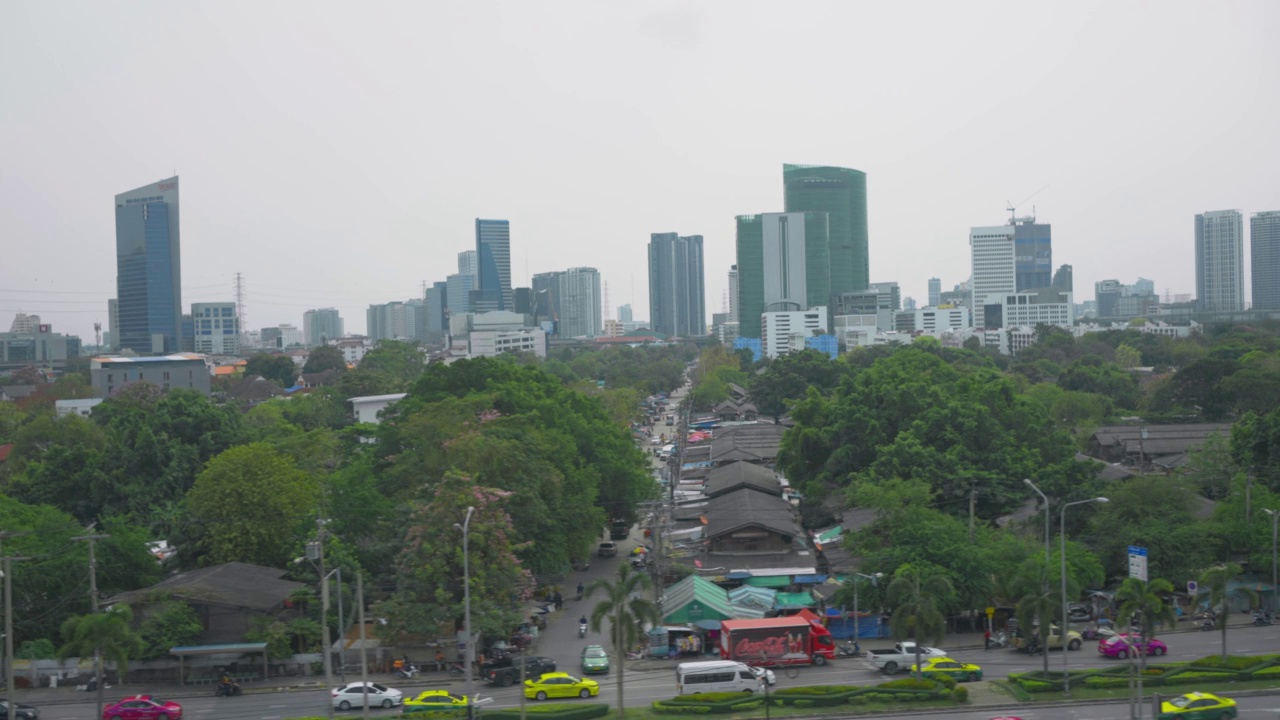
1220 260
580 314
624 313
994 266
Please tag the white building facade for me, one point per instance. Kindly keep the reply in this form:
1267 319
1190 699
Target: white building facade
993 263
492 343
217 328
784 332
1220 261
580 314
932 319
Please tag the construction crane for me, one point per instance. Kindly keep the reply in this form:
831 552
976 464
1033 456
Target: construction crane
1013 209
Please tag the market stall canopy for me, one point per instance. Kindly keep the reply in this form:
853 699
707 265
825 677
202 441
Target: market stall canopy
695 598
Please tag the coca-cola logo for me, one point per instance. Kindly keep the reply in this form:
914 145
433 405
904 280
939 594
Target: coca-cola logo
770 647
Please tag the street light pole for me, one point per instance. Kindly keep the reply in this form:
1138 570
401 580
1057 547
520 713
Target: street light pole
1046 517
1062 631
1275 532
873 578
469 658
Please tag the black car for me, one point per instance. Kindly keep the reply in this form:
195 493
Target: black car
20 711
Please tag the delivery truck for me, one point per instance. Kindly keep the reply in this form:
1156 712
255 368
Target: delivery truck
794 640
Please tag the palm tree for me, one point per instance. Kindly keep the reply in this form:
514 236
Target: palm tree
626 612
1137 597
915 598
110 633
1216 581
1039 600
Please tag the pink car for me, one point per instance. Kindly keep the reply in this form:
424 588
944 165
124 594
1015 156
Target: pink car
1117 647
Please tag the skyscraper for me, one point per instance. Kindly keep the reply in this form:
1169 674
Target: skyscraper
783 265
467 263
935 292
733 294
1220 260
580 314
624 313
1264 264
437 308
149 268
994 266
215 328
319 326
493 254
841 193
677 302
1033 246
459 287
546 296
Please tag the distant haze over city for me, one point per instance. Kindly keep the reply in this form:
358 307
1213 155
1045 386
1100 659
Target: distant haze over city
338 155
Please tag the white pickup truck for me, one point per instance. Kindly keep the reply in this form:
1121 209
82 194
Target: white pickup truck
900 657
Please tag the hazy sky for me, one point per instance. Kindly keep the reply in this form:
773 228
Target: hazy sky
338 153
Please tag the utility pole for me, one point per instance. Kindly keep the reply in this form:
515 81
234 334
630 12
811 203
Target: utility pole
11 704
324 616
364 655
93 601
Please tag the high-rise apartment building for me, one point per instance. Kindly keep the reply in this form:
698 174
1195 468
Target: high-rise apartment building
1264 263
677 295
935 292
1033 245
624 313
1107 294
546 296
215 328
1220 261
319 326
734 289
994 266
580 314
25 324
783 265
841 193
149 268
493 256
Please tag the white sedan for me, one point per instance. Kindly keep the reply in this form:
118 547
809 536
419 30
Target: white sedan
352 695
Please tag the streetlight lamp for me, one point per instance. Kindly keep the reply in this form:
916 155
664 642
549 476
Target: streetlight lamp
1275 526
874 578
1046 517
1062 528
465 527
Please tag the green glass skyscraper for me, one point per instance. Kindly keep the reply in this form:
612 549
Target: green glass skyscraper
841 193
783 265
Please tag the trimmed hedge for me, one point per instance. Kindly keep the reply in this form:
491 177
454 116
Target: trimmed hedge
900 691
1211 669
554 711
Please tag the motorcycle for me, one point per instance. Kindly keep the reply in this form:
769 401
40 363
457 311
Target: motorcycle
850 649
231 689
407 672
1000 640
1207 624
1262 618
582 630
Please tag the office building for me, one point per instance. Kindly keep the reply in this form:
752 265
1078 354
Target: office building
215 328
783 264
1264 264
492 343
493 257
677 295
932 319
785 332
437 310
993 265
1034 250
1220 261
467 263
935 291
1107 294
841 193
891 292
404 321
580 314
40 346
522 298
280 337
624 313
24 324
908 303
1044 306
546 296
459 288
149 268
318 326
1063 280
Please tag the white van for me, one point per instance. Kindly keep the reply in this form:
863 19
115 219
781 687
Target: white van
715 676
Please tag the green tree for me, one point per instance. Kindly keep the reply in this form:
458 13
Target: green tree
250 504
788 378
11 416
1039 600
110 632
325 357
401 361
917 599
173 624
627 613
1145 600
279 369
1216 581
1128 356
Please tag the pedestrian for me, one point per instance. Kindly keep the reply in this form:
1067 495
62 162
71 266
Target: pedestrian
559 600
986 640
439 660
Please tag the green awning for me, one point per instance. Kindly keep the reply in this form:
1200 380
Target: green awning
793 600
695 598
770 581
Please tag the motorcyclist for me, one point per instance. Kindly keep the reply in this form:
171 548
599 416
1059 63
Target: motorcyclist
225 683
581 589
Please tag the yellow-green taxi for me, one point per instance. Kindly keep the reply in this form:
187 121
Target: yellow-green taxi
441 701
1197 706
954 668
558 684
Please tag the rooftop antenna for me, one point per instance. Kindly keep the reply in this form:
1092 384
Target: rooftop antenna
1013 212
97 334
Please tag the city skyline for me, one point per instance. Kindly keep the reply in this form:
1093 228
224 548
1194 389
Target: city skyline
311 157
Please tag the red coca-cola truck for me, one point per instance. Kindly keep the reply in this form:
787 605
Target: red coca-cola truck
794 640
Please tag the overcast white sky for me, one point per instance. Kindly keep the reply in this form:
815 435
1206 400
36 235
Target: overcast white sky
337 153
